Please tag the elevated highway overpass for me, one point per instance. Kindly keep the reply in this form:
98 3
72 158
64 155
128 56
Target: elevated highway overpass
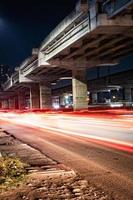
95 33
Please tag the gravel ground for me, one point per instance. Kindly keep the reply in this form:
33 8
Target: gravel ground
46 179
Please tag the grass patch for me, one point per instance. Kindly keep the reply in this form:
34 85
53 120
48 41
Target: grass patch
12 171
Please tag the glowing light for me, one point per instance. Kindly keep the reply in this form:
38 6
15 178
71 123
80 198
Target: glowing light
53 83
66 96
56 106
65 78
116 105
77 126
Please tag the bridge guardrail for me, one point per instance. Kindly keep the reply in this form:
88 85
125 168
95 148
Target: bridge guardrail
62 26
28 67
7 84
15 77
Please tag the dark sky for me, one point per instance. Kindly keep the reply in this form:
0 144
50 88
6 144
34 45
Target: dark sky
25 23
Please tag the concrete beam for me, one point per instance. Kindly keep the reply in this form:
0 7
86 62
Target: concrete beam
92 43
119 21
71 64
115 48
106 45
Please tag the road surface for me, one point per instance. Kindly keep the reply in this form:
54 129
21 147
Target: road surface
99 149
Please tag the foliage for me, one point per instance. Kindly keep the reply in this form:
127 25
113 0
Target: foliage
12 170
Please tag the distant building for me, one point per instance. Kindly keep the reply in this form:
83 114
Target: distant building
4 74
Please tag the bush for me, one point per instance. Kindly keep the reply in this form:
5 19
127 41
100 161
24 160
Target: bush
11 169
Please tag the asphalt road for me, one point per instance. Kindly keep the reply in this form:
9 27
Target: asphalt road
99 149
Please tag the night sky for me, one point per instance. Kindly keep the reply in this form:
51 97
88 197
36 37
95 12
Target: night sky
24 24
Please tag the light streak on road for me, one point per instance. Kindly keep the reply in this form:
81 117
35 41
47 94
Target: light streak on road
97 147
115 134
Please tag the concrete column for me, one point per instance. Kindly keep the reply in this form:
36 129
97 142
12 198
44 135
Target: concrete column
79 87
94 98
16 102
128 94
21 100
5 104
45 97
12 103
34 96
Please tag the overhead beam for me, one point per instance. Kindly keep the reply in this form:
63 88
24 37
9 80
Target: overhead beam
93 43
104 46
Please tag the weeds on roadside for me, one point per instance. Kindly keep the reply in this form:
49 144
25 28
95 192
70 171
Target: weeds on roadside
12 171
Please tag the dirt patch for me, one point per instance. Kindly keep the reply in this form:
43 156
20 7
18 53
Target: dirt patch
56 186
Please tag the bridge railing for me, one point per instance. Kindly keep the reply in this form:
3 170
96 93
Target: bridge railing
68 20
7 84
82 6
111 7
29 67
15 77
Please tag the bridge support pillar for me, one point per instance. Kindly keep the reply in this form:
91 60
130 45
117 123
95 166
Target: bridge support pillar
34 96
21 101
45 97
5 104
12 103
79 87
128 94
